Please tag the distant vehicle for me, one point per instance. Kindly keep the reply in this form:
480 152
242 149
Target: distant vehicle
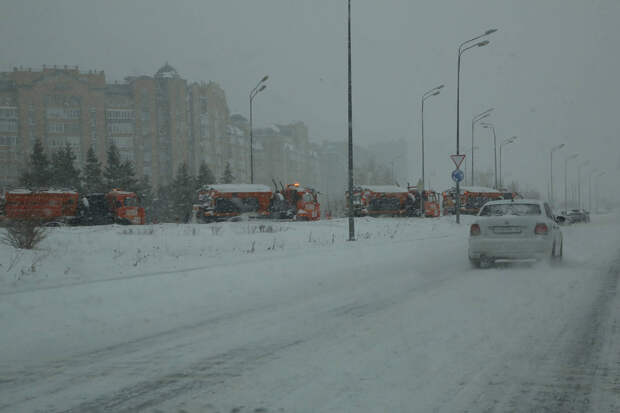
359 200
515 230
44 204
229 202
431 203
125 207
577 215
303 201
472 199
385 200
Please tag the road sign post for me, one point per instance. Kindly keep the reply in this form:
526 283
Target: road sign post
457 176
458 159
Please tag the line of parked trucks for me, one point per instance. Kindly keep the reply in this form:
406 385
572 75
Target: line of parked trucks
225 202
66 207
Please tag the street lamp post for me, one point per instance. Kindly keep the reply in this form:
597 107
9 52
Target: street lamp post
566 179
592 172
433 92
492 128
476 119
257 89
584 163
501 146
598 194
469 151
350 121
555 148
463 47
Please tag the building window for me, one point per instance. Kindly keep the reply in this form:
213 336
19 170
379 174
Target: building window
8 112
8 126
124 128
119 114
8 140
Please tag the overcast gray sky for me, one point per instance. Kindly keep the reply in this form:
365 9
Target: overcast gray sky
550 71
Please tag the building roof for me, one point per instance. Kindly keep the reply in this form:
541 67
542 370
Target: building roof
167 71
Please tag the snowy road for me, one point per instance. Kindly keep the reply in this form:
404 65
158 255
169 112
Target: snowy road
397 326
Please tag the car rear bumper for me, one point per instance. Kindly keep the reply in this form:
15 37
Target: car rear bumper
510 248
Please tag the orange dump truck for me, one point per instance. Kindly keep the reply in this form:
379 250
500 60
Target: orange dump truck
304 202
225 202
431 202
472 199
46 205
385 200
125 207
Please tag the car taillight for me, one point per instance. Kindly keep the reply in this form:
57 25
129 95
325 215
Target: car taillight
474 230
541 229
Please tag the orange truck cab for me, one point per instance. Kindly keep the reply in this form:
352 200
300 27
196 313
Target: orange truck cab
360 202
46 205
431 202
126 207
304 200
225 202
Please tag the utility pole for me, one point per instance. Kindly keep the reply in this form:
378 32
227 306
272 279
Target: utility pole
555 148
350 112
463 47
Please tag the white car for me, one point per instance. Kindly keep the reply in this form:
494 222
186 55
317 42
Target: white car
515 230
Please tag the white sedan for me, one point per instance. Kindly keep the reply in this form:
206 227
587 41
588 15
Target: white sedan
514 230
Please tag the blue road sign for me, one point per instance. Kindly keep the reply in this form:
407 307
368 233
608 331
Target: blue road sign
457 175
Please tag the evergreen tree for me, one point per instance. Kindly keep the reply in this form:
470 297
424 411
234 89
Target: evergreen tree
93 179
127 177
38 171
205 176
183 193
228 177
145 194
113 172
64 174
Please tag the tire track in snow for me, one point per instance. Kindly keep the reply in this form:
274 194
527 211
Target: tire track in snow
570 374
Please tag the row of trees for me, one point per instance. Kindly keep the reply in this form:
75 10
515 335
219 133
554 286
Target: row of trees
171 202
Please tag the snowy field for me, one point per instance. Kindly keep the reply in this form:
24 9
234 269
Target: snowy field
290 317
71 255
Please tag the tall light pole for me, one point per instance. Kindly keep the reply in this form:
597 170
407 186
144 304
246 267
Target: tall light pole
492 128
463 47
584 163
433 92
598 194
592 172
568 158
350 120
260 86
555 148
469 151
506 142
476 119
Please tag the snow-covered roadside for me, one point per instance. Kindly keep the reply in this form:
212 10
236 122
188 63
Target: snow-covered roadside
398 322
84 254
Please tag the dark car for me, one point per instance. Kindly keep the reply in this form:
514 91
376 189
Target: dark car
577 215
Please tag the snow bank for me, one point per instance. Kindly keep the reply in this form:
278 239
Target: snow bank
72 255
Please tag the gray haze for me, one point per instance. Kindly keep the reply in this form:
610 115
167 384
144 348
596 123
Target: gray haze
550 71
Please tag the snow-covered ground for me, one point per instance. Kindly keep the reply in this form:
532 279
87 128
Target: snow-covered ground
291 317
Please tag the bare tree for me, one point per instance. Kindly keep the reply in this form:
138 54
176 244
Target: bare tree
24 233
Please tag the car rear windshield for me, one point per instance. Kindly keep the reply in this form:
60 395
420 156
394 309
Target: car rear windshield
510 209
